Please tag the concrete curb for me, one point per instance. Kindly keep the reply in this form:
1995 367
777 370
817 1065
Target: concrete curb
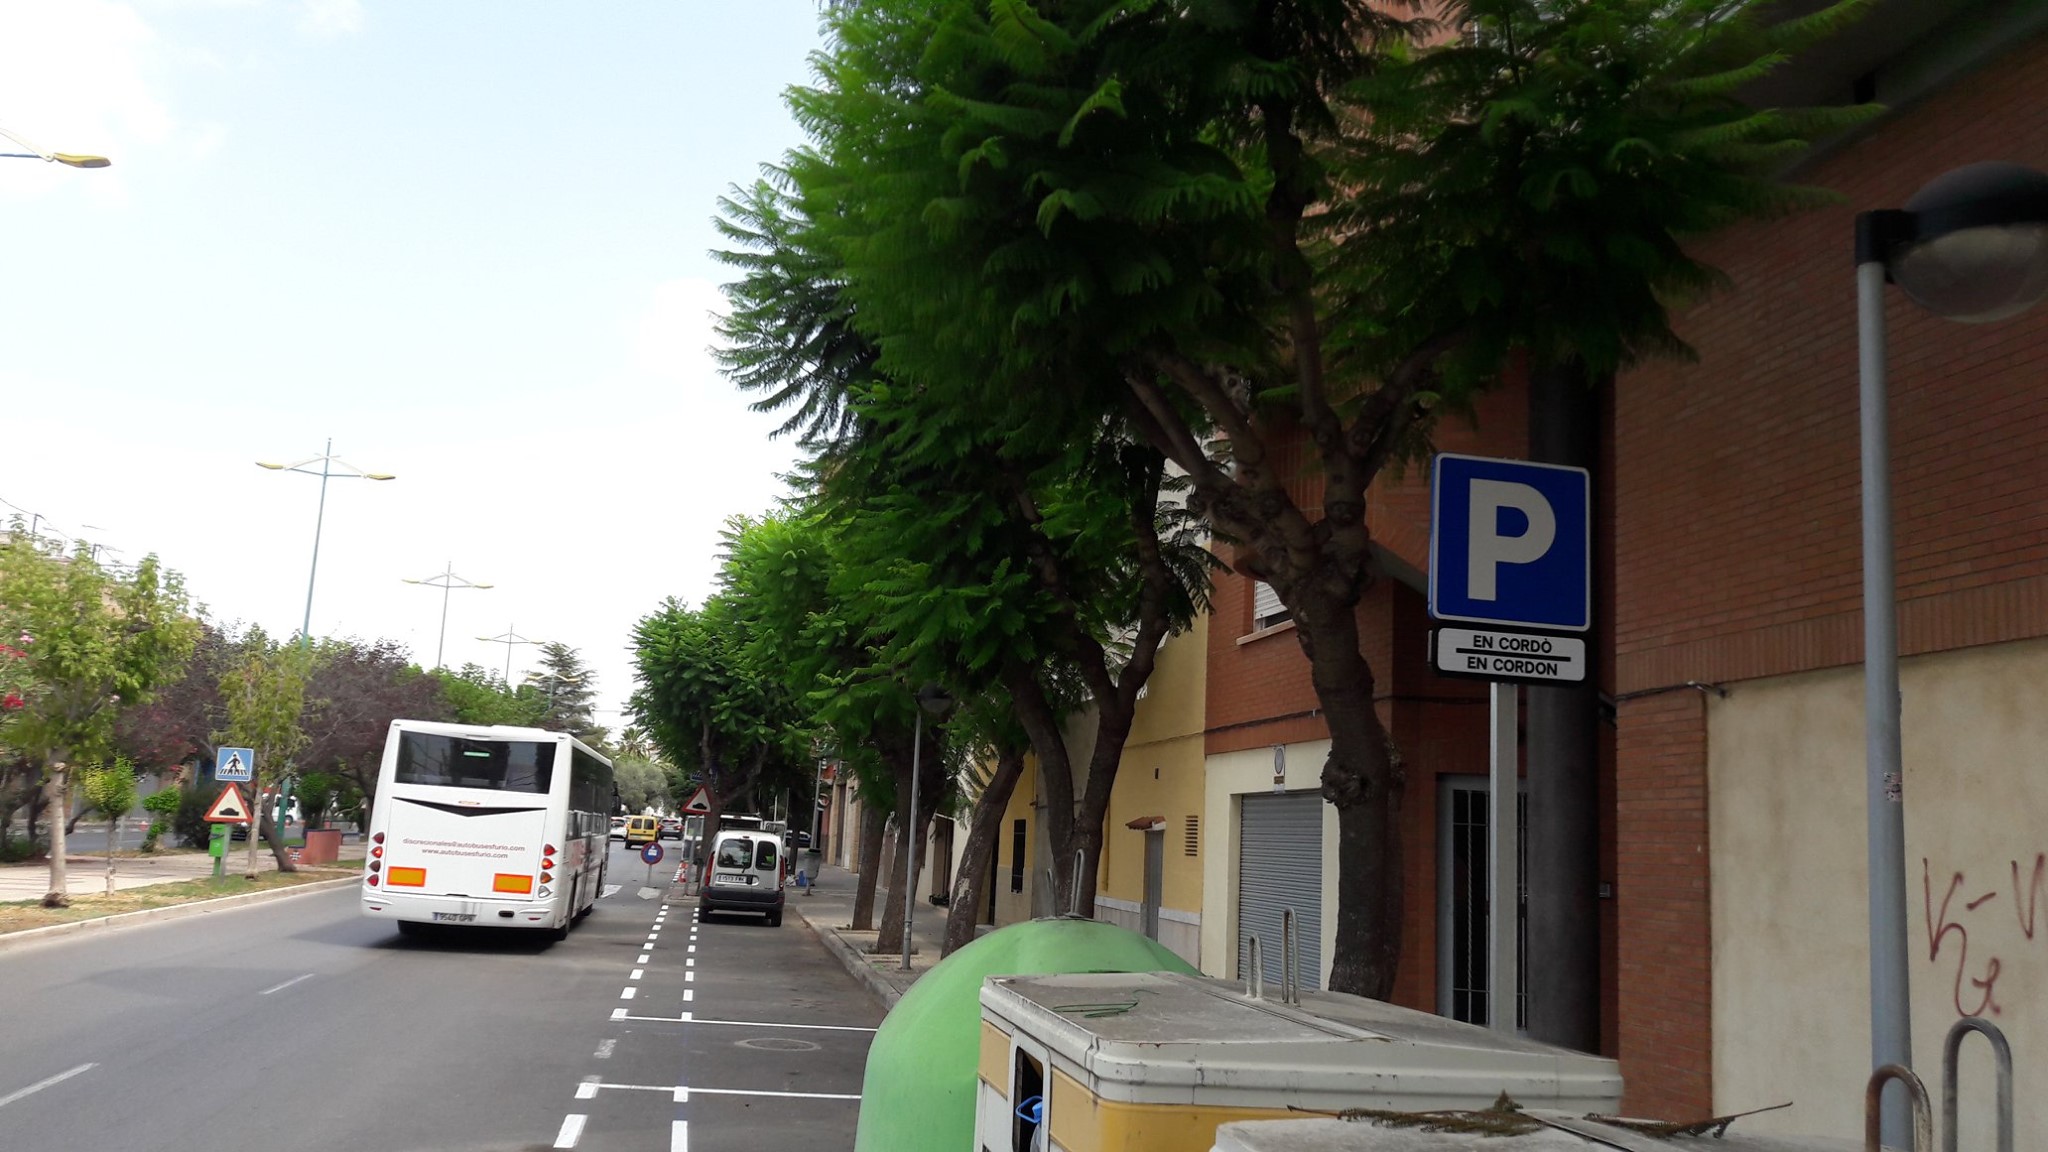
28 936
856 964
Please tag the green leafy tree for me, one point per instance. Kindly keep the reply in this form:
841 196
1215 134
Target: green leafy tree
110 789
162 806
93 639
642 783
263 691
477 695
1253 232
569 689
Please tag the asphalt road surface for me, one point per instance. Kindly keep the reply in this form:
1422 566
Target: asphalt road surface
300 1024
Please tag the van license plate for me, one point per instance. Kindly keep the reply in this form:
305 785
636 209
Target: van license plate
728 878
455 917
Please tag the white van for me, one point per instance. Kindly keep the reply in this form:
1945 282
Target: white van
744 875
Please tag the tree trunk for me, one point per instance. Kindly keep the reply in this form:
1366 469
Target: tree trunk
1364 778
891 940
985 826
59 895
873 819
276 842
113 833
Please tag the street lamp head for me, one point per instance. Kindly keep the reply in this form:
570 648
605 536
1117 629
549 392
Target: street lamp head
269 465
80 161
379 476
935 700
483 585
1978 244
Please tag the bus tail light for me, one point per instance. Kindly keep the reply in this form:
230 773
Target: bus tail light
376 865
548 851
373 880
377 853
547 877
377 839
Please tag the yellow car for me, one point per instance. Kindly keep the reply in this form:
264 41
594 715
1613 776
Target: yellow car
642 830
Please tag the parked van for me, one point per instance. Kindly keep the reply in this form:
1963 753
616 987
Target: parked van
642 830
744 875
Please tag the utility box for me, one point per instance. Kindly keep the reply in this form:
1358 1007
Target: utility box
1158 1060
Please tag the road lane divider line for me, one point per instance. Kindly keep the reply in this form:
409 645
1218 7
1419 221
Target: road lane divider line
690 963
588 1089
693 947
635 1087
679 1136
629 993
618 1013
39 1085
604 1049
286 984
689 975
637 973
777 1095
572 1130
642 959
689 994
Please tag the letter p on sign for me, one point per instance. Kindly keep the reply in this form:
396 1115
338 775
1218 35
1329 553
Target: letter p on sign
1510 543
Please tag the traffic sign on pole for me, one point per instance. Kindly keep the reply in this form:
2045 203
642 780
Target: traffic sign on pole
1510 544
234 764
229 807
1493 655
699 803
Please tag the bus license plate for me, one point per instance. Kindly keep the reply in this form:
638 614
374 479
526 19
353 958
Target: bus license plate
455 917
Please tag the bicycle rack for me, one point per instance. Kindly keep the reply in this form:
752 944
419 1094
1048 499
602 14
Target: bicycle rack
2001 1058
1873 1101
1290 958
1255 968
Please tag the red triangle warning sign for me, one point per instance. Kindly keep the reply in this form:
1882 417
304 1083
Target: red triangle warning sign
699 804
229 807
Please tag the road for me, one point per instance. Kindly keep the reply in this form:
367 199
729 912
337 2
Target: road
301 1024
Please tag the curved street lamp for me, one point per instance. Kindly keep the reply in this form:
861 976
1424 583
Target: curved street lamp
446 581
331 467
1970 246
35 153
511 639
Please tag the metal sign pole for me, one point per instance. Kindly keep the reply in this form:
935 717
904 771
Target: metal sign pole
1503 829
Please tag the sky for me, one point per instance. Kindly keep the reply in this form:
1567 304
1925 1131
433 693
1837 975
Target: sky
468 240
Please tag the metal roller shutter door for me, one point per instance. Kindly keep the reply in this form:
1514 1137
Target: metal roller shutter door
1279 866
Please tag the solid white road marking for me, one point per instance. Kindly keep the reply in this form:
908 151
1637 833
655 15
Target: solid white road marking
636 973
286 984
629 993
572 1130
604 1048
588 1089
767 1024
679 1136
39 1085
610 890
780 1095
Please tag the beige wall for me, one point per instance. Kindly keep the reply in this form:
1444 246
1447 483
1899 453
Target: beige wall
1790 921
1229 776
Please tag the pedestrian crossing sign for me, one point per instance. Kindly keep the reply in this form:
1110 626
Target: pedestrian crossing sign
229 807
234 764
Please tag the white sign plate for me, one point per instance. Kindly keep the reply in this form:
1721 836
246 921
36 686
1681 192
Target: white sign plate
1509 655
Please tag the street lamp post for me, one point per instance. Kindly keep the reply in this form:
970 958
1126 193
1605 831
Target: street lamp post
35 153
332 467
447 581
510 640
1971 246
937 701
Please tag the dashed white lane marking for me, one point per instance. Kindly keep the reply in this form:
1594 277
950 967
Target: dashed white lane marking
39 1085
604 1048
572 1130
618 1013
588 1089
689 994
642 959
693 947
679 1136
285 985
636 973
629 993
690 963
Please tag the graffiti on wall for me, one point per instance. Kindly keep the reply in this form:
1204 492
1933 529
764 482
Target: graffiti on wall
1981 908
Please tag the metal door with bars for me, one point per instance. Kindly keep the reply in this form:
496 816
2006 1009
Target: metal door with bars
1462 902
1280 866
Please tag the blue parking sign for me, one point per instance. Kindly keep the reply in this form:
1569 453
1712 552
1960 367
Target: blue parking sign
1510 543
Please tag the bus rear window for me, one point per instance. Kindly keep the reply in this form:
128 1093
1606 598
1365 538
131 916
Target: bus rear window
453 762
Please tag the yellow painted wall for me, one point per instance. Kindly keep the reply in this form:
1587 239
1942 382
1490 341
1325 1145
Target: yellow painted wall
1790 931
1015 907
1161 774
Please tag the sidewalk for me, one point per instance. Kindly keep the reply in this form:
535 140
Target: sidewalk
827 907
87 875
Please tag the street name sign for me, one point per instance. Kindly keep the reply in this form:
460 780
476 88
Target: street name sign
234 764
1508 655
229 807
1510 544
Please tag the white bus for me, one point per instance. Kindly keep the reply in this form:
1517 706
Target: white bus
490 826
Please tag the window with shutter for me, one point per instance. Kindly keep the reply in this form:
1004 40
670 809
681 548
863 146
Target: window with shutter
1267 610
